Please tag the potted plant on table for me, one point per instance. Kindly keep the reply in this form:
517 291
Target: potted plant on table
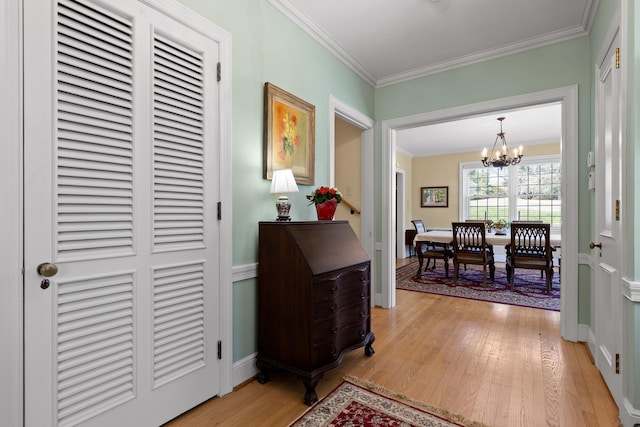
499 226
326 200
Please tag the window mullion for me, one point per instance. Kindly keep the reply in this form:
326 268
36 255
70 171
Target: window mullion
513 193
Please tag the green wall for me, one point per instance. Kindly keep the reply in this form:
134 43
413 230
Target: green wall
268 47
549 67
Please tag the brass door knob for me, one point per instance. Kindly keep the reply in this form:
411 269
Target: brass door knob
47 269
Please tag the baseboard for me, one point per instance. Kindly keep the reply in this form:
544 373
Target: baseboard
377 300
244 369
629 416
585 334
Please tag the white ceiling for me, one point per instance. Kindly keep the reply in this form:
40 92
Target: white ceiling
390 41
526 127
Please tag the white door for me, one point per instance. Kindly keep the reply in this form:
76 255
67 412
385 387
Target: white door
121 107
607 258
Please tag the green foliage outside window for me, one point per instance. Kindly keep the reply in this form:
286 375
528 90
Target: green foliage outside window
538 188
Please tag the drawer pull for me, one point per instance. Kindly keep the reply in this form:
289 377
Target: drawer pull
362 334
362 314
363 279
334 289
334 353
334 329
363 295
334 308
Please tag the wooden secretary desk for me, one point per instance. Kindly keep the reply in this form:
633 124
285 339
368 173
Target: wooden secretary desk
314 301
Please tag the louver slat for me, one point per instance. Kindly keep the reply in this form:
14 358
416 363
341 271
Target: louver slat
94 133
178 136
178 327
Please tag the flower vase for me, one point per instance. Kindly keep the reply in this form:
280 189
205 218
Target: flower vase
326 210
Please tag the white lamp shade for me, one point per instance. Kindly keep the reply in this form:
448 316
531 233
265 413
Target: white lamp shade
283 181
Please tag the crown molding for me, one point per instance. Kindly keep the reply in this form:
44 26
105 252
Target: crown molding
405 152
463 61
318 34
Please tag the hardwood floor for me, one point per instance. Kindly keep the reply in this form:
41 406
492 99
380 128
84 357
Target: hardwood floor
498 364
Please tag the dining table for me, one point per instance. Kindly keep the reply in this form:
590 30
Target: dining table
444 238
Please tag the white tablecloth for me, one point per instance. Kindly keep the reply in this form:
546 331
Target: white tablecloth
446 236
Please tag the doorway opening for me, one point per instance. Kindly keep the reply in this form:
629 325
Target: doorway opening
342 111
567 98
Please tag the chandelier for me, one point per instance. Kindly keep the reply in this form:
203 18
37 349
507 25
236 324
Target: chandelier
500 158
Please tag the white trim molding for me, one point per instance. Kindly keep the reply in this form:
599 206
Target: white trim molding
244 272
289 10
585 334
568 97
628 414
631 289
342 110
244 369
585 259
324 39
11 215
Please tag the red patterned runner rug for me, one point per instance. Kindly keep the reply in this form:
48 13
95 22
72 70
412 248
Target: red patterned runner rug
530 289
358 402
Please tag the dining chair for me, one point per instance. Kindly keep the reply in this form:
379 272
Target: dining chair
431 251
470 247
530 248
507 247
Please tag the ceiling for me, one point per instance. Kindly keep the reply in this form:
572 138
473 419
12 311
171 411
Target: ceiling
531 126
388 41
391 41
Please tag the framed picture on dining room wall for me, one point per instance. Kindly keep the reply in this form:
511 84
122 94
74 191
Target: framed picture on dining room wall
289 134
434 197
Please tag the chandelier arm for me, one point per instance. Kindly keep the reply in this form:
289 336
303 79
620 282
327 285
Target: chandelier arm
503 159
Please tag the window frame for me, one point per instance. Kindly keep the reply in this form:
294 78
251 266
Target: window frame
512 185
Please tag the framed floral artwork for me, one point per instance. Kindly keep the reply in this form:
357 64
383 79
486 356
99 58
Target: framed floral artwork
434 197
289 134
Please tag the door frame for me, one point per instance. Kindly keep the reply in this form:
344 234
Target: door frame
568 97
11 191
342 110
401 201
11 252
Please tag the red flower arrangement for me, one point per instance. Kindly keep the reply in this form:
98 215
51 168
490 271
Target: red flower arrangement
322 194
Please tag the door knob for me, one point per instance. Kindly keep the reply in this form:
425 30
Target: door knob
595 245
47 269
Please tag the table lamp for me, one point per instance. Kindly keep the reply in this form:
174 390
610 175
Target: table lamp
282 182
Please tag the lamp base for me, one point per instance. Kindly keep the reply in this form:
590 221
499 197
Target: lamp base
283 206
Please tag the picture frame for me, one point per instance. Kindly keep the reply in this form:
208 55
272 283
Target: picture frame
289 134
434 197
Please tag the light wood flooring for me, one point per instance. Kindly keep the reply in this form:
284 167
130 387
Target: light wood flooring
498 364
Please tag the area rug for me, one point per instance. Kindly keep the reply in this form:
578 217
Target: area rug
358 402
530 289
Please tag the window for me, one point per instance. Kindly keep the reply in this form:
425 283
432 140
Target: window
529 191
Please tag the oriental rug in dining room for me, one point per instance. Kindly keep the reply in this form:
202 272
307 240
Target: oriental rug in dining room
357 402
530 289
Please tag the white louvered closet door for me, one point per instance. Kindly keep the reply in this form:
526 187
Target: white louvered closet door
121 191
